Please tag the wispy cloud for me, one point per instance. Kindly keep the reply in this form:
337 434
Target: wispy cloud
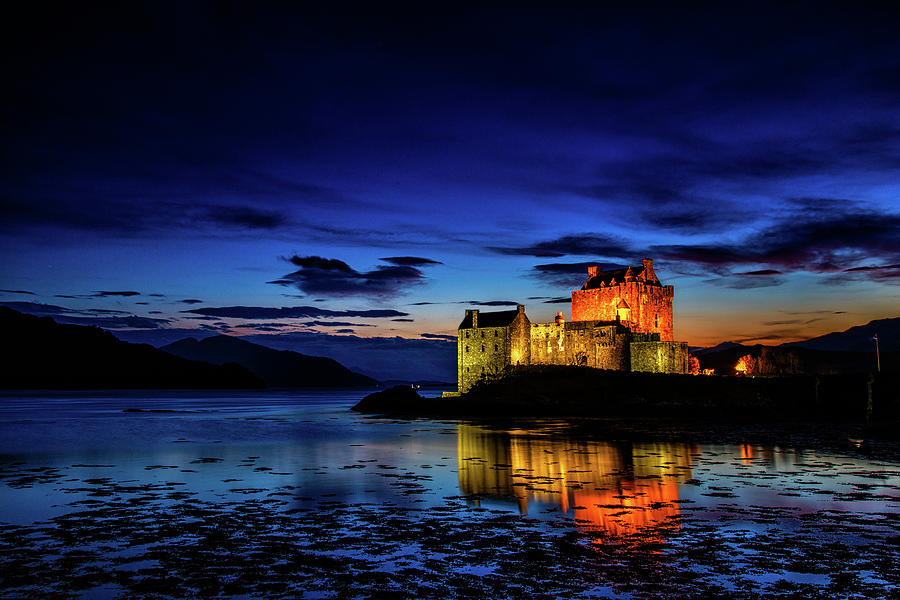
291 312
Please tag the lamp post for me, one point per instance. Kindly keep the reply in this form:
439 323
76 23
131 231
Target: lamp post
877 354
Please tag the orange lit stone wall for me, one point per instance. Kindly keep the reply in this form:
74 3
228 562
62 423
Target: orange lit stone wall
650 306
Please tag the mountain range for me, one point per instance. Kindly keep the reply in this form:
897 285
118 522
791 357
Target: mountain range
857 339
278 368
40 353
849 351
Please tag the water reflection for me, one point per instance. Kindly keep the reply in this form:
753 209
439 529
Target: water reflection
621 488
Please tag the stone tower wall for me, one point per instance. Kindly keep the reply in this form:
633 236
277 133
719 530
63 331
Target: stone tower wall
482 353
651 306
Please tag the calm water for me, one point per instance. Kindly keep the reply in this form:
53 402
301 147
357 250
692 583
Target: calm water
289 494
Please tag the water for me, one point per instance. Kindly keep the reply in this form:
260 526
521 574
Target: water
290 494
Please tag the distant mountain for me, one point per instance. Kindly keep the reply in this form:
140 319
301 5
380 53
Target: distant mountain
40 353
716 348
278 368
857 339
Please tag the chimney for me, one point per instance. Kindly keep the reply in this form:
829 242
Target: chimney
649 275
593 271
520 308
474 315
560 319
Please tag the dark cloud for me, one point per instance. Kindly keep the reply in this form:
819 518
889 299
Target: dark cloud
565 300
345 331
106 311
126 294
403 320
761 272
291 312
565 274
470 303
191 301
438 336
491 303
336 324
18 292
69 209
272 326
72 317
333 277
826 242
583 244
130 322
410 261
884 274
36 308
247 217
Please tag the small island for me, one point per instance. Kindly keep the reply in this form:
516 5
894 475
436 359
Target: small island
617 358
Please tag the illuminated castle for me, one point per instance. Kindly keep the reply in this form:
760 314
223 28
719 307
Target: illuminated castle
621 320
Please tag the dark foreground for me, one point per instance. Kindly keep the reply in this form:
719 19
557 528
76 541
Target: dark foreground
309 501
561 391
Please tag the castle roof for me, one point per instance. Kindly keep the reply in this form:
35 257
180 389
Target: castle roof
502 318
617 276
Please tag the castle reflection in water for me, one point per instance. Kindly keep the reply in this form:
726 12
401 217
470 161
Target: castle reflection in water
621 488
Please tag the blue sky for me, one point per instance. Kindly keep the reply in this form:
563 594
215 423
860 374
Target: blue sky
357 157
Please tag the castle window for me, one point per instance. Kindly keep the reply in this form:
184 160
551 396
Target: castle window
495 348
482 334
467 369
467 347
467 334
482 347
497 333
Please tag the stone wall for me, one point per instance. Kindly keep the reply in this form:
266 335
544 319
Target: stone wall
584 343
659 357
650 306
483 353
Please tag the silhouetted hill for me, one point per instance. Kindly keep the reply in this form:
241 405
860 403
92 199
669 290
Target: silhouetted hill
43 354
857 339
278 368
716 348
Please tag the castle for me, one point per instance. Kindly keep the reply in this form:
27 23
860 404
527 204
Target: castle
621 320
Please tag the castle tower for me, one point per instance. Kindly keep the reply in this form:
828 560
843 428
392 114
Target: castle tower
633 294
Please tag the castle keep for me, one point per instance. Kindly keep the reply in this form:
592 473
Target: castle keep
621 320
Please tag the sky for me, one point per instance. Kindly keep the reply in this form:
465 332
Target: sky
306 172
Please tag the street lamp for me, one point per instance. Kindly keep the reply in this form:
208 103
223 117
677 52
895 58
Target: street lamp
877 354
